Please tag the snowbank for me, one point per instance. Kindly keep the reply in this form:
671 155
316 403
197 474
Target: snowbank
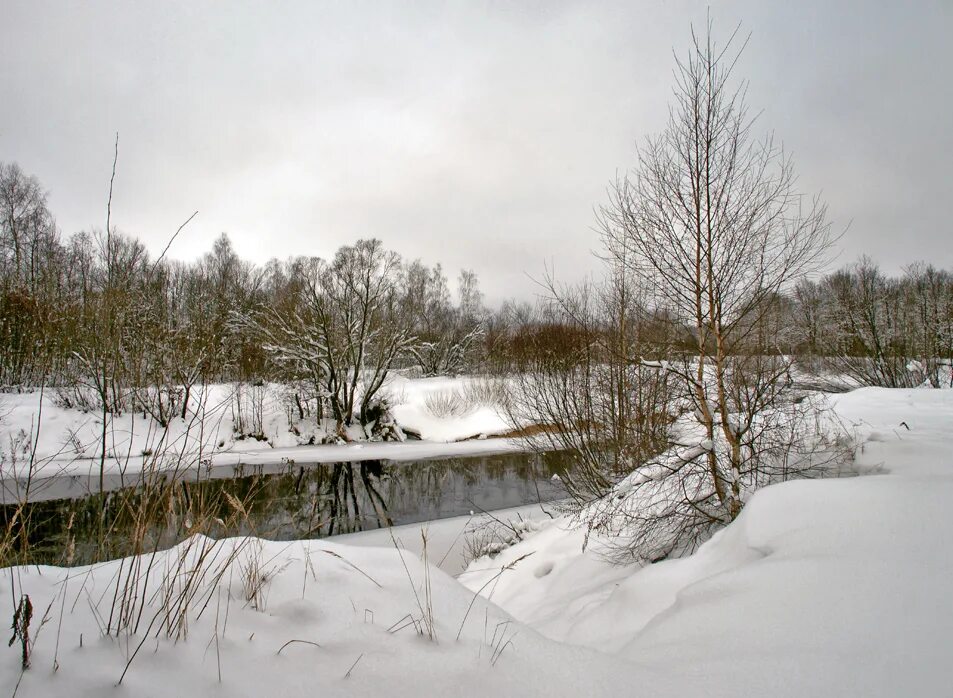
333 620
822 588
67 440
448 538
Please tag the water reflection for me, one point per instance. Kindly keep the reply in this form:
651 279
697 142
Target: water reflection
285 503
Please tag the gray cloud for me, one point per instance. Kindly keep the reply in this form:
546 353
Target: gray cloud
474 134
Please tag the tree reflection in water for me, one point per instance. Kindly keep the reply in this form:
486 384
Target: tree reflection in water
298 501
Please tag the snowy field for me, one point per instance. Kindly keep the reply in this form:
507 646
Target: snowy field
821 588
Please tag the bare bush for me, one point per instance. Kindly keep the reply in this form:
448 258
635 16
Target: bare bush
447 403
490 536
75 396
470 396
486 392
669 505
585 388
248 411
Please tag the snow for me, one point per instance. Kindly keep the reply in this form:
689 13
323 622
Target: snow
822 587
351 601
390 450
67 441
411 410
446 538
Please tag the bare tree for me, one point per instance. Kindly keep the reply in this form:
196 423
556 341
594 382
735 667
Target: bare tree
26 226
32 277
347 330
356 304
712 221
446 336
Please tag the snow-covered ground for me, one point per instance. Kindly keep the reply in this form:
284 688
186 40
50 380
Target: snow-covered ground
821 588
67 440
350 615
447 538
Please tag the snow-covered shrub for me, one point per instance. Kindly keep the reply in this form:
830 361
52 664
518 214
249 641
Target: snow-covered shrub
383 426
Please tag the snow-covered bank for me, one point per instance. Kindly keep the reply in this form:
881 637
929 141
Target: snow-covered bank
334 620
820 588
447 538
827 587
66 440
374 450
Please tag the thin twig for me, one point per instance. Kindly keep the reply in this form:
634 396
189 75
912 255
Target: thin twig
354 665
291 642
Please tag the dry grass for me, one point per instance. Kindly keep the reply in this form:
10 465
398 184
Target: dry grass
470 396
447 403
486 392
423 623
152 592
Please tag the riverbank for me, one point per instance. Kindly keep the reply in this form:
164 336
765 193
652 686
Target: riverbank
229 424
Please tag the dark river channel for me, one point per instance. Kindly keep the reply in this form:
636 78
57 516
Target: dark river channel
69 523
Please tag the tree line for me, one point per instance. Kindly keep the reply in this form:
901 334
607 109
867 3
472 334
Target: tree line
112 327
98 310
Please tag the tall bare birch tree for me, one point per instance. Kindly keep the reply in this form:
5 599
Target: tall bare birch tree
712 221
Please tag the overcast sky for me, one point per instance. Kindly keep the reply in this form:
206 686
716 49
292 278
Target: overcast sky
475 134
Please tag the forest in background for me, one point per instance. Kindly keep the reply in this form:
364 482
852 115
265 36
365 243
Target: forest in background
95 310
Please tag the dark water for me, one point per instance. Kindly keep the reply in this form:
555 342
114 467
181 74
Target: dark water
283 502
